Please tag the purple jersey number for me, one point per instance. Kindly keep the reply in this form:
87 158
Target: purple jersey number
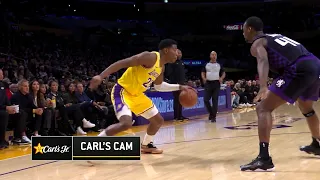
148 83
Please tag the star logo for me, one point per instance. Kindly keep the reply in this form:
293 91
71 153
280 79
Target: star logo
38 149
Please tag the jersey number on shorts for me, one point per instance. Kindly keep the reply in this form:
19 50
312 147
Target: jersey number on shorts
283 41
148 83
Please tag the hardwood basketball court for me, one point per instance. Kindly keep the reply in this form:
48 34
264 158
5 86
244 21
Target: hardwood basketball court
193 150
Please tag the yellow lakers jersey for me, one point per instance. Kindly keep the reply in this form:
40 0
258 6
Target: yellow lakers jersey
136 80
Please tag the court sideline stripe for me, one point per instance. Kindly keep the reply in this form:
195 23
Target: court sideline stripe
26 168
196 140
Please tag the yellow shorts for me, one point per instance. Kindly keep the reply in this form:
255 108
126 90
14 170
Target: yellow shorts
124 103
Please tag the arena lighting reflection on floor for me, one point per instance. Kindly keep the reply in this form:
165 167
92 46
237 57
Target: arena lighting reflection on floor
189 131
166 134
185 132
279 121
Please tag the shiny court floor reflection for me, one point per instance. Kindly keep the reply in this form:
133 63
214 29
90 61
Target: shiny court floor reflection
194 150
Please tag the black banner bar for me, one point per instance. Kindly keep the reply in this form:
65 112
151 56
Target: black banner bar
106 148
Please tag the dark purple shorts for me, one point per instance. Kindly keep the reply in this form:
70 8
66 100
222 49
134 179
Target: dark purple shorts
300 80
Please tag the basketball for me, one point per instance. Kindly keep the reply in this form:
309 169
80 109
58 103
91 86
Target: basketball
188 98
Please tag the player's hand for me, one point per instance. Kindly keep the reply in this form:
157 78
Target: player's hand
96 81
262 94
185 88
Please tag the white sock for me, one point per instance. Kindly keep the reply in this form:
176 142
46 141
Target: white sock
103 133
147 139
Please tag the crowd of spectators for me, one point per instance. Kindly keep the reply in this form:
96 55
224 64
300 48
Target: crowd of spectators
37 108
243 92
46 77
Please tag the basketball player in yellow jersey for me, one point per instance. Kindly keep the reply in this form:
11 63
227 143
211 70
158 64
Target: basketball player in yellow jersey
128 93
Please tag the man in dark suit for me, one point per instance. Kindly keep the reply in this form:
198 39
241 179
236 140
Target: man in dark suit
5 110
28 112
175 73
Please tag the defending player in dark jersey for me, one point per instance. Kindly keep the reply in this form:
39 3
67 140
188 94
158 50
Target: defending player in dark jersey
299 80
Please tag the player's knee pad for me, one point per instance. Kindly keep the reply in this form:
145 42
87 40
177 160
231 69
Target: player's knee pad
309 114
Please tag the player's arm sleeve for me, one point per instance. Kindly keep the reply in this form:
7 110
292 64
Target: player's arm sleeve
162 86
166 87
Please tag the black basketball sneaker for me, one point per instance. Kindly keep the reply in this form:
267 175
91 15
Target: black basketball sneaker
258 164
311 149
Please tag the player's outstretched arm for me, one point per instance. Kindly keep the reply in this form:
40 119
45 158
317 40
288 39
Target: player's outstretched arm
146 59
162 86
